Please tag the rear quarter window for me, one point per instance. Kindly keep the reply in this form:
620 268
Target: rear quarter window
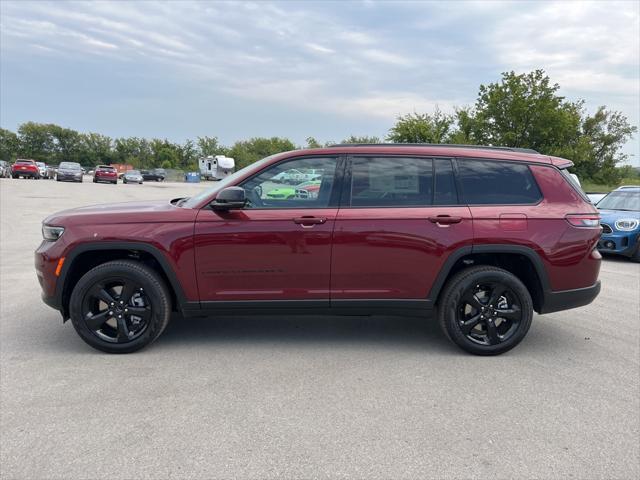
488 182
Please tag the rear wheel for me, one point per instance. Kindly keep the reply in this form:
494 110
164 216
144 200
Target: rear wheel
485 310
120 306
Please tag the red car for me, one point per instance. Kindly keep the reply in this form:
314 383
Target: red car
105 173
25 169
479 237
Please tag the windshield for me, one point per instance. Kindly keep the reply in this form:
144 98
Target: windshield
225 182
70 165
621 200
133 172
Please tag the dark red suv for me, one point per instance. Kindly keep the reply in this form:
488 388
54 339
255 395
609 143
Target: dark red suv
105 173
480 237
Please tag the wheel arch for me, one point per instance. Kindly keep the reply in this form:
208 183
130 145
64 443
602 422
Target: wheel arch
524 262
87 256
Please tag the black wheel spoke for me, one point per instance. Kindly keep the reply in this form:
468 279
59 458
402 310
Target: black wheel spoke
472 300
142 312
497 292
94 322
128 289
492 333
469 324
512 313
104 295
123 330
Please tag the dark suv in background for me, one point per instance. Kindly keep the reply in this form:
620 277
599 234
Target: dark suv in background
478 237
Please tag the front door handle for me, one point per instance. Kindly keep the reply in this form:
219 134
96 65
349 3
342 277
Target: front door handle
307 222
445 219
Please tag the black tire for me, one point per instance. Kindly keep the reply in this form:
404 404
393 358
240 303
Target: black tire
153 301
456 314
636 255
115 183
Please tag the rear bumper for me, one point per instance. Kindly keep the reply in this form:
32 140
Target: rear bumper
25 173
567 299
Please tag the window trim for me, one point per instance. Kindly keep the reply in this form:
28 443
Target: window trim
335 195
517 162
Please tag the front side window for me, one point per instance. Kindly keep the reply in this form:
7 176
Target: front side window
489 182
391 182
300 183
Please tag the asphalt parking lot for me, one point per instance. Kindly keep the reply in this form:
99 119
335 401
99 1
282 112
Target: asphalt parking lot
300 397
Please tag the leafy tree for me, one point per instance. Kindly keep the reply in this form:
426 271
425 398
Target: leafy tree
36 141
248 151
524 111
313 143
422 128
9 145
96 149
362 139
209 146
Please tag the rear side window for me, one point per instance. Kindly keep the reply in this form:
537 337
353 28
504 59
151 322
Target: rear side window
391 182
497 183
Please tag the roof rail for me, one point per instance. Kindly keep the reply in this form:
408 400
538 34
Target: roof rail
445 145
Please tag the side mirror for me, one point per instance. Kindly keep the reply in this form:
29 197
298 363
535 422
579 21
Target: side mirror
229 198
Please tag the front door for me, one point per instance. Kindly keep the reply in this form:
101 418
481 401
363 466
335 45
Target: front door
399 223
278 248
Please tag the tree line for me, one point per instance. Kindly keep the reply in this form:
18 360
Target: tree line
519 110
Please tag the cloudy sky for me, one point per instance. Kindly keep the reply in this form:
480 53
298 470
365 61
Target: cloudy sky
297 69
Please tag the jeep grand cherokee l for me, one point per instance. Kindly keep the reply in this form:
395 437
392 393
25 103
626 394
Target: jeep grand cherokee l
478 237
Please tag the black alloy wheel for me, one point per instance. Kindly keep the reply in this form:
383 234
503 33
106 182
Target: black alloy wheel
485 310
116 310
120 306
489 313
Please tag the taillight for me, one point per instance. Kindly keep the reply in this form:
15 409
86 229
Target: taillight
584 220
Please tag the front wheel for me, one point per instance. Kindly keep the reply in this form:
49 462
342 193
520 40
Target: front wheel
120 306
485 310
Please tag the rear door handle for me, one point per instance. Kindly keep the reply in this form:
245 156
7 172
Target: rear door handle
309 221
445 219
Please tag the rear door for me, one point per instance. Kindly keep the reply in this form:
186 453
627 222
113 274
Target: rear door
399 220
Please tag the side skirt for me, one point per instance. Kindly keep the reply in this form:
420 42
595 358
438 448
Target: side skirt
400 307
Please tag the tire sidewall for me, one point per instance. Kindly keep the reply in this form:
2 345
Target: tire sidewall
154 291
456 289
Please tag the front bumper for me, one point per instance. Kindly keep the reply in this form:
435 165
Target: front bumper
69 177
620 243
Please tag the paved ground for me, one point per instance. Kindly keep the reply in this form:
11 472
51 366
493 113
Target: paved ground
307 397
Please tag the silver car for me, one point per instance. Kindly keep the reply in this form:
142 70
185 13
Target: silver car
132 176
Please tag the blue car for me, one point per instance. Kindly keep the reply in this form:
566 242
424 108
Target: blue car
620 220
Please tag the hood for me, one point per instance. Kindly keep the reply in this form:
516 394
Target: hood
157 211
616 214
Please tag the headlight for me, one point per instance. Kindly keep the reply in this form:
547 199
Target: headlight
626 224
52 233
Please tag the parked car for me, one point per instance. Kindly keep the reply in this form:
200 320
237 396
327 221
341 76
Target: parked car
292 176
105 173
51 172
595 197
5 169
42 168
69 171
25 168
155 175
620 220
487 235
290 192
132 176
